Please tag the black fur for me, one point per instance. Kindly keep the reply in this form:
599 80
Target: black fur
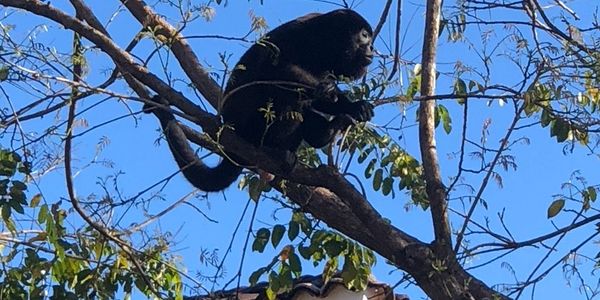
195 171
283 91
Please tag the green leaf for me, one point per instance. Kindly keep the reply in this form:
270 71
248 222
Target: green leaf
43 214
10 225
334 248
555 208
560 129
364 154
278 232
546 118
388 184
261 240
19 185
286 281
348 270
3 73
305 223
362 279
413 88
255 189
255 276
274 283
271 295
377 179
293 230
16 206
592 193
460 89
5 212
444 117
306 226
370 168
295 264
35 201
306 252
472 84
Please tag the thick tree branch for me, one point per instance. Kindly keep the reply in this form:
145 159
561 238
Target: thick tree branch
121 58
77 73
435 188
337 203
327 194
184 54
85 13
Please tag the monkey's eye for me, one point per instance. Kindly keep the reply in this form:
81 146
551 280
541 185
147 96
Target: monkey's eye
365 34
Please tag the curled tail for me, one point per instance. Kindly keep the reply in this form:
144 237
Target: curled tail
195 171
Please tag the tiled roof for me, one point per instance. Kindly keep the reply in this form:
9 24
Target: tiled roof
308 287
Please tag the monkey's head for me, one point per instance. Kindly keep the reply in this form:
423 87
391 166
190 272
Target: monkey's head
355 48
338 42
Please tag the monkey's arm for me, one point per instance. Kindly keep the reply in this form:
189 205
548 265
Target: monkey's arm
328 98
361 111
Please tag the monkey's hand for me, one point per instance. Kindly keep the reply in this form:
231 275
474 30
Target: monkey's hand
327 91
361 111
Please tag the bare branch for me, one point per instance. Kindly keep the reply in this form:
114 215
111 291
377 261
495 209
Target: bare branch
436 191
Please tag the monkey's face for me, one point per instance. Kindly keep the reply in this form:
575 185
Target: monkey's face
363 47
358 54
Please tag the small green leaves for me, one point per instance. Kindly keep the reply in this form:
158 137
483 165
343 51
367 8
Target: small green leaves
555 208
460 90
293 229
392 167
3 73
278 232
295 264
255 186
255 276
261 240
282 270
387 186
443 116
9 162
560 129
536 97
377 179
415 83
370 168
334 248
35 201
589 195
546 118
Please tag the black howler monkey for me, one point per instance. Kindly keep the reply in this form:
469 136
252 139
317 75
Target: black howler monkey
283 91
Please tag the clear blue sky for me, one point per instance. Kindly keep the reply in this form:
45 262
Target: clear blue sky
527 192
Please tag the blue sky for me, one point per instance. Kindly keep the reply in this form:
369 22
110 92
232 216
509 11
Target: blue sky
527 192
